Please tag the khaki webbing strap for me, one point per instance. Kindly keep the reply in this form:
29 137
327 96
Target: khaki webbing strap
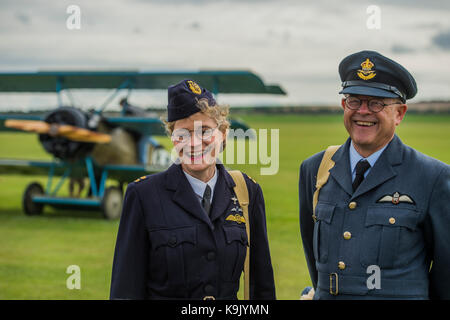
323 173
241 192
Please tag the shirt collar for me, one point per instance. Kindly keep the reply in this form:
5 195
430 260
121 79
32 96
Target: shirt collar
355 157
199 186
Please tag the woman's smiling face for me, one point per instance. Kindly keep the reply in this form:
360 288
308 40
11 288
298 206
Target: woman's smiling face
197 141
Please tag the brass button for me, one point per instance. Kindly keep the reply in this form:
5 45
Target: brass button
352 205
341 265
391 220
347 235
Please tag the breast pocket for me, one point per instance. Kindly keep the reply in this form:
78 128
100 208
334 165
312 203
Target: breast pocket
390 238
169 255
236 243
322 227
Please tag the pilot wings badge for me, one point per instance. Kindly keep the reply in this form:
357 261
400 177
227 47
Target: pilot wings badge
396 198
236 218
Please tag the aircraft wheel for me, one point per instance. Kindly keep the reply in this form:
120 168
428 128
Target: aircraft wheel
112 203
29 207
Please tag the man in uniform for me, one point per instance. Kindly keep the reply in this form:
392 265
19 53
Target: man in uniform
381 225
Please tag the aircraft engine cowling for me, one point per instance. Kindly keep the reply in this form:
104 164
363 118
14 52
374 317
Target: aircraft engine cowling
121 149
62 147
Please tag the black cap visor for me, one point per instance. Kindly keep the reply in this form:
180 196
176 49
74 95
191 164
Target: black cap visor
367 91
372 89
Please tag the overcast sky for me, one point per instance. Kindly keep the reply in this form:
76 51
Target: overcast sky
296 44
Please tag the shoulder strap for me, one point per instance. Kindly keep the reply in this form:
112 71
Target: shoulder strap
323 173
241 192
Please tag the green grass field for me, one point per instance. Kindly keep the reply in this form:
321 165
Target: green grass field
36 251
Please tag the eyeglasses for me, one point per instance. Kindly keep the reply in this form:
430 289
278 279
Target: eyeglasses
184 135
374 105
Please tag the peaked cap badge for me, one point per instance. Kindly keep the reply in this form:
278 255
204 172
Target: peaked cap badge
366 73
195 88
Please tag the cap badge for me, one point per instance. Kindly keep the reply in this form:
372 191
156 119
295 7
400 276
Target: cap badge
195 88
366 72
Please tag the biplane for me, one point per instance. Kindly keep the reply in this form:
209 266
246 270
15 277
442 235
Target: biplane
94 146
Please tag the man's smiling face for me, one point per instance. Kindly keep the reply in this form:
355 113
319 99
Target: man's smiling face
369 130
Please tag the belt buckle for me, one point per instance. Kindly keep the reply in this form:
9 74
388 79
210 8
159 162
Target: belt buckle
209 298
335 275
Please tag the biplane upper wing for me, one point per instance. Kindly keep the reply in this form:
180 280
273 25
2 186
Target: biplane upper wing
217 81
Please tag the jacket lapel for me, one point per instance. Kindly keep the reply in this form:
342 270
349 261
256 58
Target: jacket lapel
183 194
383 169
341 170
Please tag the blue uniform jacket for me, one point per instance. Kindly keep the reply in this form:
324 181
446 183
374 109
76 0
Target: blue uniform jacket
168 248
378 226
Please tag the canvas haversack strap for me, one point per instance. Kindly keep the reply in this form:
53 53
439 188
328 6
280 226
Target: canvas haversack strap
241 192
323 174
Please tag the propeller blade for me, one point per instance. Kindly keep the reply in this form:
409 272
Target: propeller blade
83 135
66 131
28 125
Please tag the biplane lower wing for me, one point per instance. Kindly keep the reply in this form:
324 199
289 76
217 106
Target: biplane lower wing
121 173
30 167
128 173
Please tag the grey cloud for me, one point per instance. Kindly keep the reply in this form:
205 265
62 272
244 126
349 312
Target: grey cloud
398 48
23 18
429 4
195 25
428 25
442 40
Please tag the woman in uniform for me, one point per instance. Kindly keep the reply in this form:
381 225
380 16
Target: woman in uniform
181 235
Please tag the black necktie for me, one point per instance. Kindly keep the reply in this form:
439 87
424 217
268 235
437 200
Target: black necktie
206 201
361 168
